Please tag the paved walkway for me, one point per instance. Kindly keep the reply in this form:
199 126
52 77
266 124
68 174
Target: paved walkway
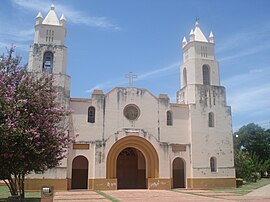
157 195
227 196
79 195
258 195
263 191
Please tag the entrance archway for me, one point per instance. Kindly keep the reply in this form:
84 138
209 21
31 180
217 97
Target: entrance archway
178 173
142 147
131 169
79 179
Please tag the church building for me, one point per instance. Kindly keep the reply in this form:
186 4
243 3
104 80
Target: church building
132 139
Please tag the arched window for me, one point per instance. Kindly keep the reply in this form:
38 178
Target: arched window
206 75
91 114
47 62
213 164
211 119
184 77
169 118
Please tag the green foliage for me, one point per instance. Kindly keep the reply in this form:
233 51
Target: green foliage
32 124
252 151
244 165
254 139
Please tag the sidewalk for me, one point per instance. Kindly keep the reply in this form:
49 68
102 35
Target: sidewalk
263 191
137 195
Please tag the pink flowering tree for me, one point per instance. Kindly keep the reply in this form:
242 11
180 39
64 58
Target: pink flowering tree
8 63
33 132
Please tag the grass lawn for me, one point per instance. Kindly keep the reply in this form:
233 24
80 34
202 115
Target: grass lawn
247 187
30 196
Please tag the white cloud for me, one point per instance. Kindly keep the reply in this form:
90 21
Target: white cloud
253 100
20 35
246 52
74 16
158 72
249 92
20 39
253 40
78 17
15 35
249 95
244 80
107 85
152 74
7 43
243 38
31 4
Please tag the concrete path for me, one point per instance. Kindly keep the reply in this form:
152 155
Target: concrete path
144 195
263 191
79 195
227 196
157 195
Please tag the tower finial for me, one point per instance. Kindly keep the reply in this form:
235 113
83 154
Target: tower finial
191 35
211 37
39 15
197 21
184 42
39 18
52 7
63 20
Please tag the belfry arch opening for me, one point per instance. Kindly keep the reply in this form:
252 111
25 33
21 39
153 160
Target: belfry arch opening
137 154
184 77
206 74
47 62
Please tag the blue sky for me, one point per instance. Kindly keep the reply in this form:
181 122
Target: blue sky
108 39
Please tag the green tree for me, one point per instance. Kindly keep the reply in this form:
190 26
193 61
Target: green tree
254 139
32 124
244 165
252 151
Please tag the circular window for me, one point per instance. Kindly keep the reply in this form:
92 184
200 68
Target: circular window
131 112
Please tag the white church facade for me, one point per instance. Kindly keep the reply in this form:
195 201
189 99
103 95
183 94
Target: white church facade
130 138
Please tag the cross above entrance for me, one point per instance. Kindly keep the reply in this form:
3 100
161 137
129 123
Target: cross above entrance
130 77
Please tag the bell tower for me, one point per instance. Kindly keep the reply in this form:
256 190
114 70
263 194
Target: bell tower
210 121
199 64
48 53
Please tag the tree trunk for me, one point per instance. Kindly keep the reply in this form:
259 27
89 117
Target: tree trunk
22 187
12 186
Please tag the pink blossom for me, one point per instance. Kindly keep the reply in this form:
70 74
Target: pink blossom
23 101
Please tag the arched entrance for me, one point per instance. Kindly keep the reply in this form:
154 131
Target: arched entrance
178 173
79 179
131 169
144 151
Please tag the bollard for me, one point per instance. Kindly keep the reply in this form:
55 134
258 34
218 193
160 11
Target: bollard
47 193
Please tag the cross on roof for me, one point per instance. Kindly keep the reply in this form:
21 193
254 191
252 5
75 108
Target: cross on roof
131 76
